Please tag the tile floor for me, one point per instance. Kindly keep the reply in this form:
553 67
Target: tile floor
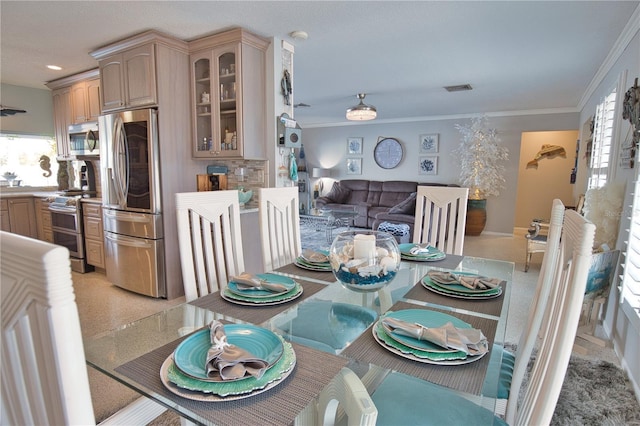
103 306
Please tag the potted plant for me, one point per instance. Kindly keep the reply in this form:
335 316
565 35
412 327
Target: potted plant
481 169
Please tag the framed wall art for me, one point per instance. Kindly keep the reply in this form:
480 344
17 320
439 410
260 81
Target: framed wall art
354 146
429 143
429 165
354 166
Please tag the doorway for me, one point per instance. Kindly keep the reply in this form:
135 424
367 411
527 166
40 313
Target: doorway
538 186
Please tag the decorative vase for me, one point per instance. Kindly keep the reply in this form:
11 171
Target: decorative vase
364 261
476 217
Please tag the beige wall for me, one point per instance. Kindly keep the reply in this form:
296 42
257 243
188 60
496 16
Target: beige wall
326 147
538 187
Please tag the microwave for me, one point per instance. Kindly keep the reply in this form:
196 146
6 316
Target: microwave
83 139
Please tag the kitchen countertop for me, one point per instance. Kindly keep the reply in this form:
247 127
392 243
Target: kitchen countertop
93 200
28 192
37 192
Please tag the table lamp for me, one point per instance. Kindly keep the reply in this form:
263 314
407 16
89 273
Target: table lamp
318 172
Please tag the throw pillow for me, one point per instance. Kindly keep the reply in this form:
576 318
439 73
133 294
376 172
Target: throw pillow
408 206
338 193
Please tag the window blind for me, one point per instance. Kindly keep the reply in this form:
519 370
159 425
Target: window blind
602 135
631 278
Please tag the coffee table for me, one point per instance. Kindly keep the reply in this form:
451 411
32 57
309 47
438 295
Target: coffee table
328 220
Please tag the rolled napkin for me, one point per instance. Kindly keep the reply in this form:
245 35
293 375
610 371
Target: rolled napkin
230 361
474 282
468 340
423 250
314 256
246 281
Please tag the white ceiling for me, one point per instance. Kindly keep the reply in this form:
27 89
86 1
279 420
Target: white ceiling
517 55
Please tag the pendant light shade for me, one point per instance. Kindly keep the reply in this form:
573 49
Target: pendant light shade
361 112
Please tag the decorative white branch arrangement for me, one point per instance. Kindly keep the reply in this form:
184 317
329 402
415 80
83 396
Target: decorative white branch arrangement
481 159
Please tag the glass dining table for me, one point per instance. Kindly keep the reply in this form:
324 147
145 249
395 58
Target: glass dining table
329 327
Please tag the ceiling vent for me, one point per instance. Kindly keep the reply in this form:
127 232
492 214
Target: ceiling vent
458 88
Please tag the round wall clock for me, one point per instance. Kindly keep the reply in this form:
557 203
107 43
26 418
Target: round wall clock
388 153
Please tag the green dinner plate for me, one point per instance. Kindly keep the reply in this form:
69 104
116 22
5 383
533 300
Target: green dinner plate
312 266
433 255
325 252
425 318
254 294
459 288
191 354
275 299
444 292
281 368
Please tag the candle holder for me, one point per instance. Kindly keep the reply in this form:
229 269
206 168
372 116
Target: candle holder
364 261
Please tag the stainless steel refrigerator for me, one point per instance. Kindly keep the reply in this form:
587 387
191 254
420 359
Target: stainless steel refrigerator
131 204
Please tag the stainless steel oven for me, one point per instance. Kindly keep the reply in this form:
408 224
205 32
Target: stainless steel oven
66 225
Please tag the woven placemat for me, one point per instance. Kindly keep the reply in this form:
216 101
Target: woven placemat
292 269
466 377
277 406
450 262
485 306
253 314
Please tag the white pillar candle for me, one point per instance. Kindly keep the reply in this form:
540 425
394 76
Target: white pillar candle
364 246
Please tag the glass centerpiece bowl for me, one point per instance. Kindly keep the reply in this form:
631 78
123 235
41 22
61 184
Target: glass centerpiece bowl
365 260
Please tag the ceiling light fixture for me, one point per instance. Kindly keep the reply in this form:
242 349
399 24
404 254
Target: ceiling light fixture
299 35
54 67
361 112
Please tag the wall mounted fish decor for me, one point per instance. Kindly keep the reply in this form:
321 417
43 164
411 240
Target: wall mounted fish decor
547 151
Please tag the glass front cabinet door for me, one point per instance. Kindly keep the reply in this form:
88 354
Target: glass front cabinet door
216 109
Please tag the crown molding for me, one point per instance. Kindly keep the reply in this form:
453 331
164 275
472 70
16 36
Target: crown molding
544 111
628 33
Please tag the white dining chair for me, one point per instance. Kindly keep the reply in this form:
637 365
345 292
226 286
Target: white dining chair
513 367
400 399
279 226
44 375
210 240
560 324
346 395
440 217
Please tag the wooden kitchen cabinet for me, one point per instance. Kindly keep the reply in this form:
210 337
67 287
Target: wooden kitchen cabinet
227 95
128 79
19 216
5 224
85 101
43 220
76 99
62 120
93 234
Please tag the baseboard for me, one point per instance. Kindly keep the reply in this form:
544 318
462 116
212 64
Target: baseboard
625 367
502 234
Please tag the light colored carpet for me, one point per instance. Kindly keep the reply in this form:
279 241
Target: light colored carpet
594 392
103 306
